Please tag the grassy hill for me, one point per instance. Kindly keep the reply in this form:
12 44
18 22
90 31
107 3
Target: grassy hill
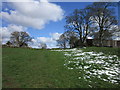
31 68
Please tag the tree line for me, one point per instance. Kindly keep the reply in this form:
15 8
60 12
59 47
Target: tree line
19 39
95 20
22 39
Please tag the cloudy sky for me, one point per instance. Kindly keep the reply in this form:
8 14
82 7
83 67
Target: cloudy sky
43 20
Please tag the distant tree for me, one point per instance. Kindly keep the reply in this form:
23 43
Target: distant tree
20 39
72 38
79 22
62 41
107 35
43 46
116 33
74 42
9 43
68 39
102 19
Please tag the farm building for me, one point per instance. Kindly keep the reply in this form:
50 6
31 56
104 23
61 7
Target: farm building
112 43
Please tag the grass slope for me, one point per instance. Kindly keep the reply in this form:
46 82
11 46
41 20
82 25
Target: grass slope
35 68
29 68
106 50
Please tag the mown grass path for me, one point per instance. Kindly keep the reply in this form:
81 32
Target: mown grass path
27 68
30 68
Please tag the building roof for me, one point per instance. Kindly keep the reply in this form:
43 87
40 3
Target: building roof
89 37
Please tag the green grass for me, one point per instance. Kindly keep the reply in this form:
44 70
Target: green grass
27 68
106 50
94 80
30 68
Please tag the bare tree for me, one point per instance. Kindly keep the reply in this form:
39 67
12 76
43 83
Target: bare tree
43 45
20 39
79 22
62 41
72 38
102 18
116 34
9 43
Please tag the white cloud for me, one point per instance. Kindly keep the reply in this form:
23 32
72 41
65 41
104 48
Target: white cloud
64 0
50 41
45 39
117 33
55 36
24 0
17 0
33 14
6 31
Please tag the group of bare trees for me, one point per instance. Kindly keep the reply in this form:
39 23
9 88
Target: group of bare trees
95 20
68 38
22 39
42 45
19 39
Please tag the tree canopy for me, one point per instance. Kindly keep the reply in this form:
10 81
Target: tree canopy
94 20
102 19
20 39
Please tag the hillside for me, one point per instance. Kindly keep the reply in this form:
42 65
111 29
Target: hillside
32 68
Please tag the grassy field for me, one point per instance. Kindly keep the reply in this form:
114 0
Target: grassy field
30 68
106 50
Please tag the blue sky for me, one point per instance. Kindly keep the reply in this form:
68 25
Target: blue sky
48 28
58 26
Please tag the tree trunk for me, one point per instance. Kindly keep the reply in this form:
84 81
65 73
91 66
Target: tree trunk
81 43
100 36
64 45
